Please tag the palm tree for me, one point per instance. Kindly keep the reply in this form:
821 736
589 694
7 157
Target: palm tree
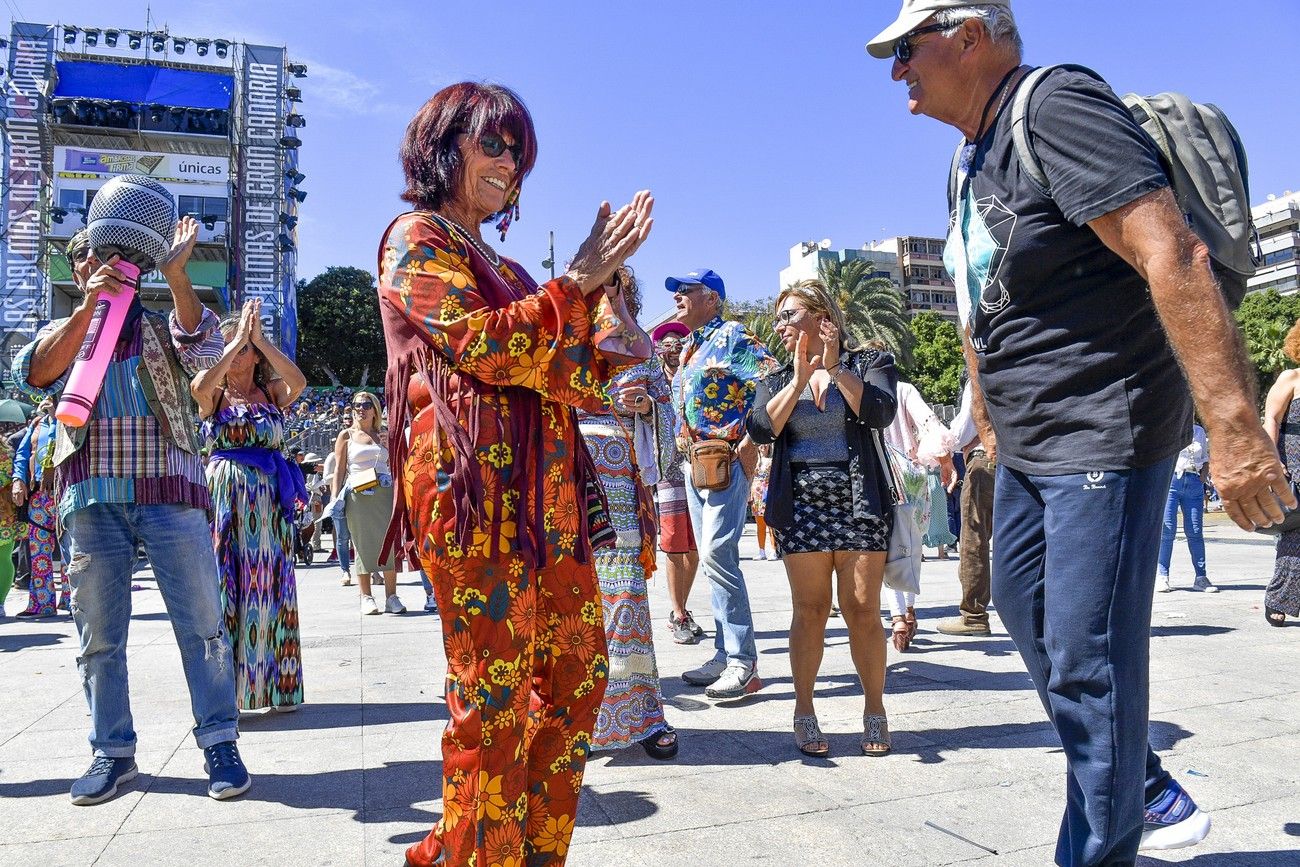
873 307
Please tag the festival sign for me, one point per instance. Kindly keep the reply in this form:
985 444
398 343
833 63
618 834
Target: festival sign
77 163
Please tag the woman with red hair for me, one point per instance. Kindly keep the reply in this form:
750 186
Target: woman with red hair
495 487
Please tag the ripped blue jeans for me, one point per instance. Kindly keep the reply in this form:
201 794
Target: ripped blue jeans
178 542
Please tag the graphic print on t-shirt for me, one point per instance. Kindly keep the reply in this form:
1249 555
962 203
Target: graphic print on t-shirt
979 235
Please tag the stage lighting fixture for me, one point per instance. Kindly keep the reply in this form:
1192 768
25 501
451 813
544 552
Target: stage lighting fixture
4 43
289 221
201 47
118 112
157 113
209 223
158 42
290 142
286 243
294 94
221 47
178 44
92 38
110 38
298 70
300 195
60 111
57 215
295 176
69 35
296 121
133 38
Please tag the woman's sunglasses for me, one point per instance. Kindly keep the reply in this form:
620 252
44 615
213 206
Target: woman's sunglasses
789 316
494 146
903 47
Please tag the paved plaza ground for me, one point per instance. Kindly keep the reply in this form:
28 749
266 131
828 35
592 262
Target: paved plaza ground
353 778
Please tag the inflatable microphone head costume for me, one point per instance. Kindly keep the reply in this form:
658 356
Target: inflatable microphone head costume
134 217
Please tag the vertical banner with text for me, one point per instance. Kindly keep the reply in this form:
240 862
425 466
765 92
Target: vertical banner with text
25 304
260 264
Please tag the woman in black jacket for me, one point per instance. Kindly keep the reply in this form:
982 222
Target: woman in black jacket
829 502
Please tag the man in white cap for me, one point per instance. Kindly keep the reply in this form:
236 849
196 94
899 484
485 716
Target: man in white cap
1079 301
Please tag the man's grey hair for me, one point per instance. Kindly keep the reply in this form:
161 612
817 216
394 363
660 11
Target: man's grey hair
997 20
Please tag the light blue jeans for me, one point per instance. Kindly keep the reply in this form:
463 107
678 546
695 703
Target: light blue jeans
718 520
178 541
1186 493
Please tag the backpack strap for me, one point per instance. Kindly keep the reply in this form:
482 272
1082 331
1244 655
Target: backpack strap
1020 119
952 175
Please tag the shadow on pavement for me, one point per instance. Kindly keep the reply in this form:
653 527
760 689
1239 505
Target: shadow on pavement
344 715
15 643
1170 631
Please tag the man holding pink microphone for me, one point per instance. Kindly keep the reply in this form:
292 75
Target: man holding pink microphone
131 473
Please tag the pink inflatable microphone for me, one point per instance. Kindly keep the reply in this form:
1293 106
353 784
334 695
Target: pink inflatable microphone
132 217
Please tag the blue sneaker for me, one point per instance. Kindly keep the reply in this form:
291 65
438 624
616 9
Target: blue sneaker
100 782
227 776
1173 821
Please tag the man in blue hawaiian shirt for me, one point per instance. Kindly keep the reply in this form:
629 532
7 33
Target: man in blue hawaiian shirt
721 366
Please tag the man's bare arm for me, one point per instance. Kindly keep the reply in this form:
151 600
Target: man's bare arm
1151 235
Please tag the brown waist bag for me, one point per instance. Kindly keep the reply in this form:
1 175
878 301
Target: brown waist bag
711 464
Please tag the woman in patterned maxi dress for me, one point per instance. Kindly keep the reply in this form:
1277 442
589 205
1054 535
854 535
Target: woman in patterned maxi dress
253 494
11 529
629 443
494 487
1282 423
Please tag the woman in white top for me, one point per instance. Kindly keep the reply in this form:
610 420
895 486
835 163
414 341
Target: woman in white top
359 451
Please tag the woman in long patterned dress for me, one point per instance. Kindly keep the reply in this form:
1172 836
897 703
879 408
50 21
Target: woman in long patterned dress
11 529
241 402
630 443
1282 422
33 483
494 487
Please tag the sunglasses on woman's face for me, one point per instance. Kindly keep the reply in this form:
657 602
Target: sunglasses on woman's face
788 316
903 47
362 406
494 146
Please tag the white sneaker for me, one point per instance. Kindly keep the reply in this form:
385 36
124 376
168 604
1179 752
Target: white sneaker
706 673
347 579
368 605
737 681
1162 584
430 604
394 605
762 553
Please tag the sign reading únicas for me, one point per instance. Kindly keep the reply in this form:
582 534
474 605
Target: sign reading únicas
74 162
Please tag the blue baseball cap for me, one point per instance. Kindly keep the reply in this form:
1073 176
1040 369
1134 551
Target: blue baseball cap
701 276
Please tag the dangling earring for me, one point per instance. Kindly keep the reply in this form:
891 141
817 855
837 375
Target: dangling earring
509 213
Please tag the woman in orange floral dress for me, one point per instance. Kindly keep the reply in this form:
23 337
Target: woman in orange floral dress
497 494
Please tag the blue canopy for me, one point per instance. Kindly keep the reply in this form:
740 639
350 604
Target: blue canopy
144 85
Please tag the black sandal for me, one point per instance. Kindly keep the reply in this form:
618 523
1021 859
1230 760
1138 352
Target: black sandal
656 749
1274 617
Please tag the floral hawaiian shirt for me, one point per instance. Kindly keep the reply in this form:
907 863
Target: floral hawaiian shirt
717 379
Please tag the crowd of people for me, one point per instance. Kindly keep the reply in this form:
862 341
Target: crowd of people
539 450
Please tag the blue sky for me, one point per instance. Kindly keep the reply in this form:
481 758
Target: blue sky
757 124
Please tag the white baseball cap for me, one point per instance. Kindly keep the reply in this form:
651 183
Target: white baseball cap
913 15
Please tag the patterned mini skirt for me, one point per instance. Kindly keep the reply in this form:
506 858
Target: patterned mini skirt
823 515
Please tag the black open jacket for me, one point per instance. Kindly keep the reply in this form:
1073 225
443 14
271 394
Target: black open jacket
869 486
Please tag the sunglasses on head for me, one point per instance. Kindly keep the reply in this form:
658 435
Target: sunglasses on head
903 47
493 146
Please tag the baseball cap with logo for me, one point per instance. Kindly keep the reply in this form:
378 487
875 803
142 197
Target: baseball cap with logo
702 276
913 14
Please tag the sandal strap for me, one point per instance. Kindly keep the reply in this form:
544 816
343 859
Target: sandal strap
807 731
875 729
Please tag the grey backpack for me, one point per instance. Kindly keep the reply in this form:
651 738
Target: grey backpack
1207 169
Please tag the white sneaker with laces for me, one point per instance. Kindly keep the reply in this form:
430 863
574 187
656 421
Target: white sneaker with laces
1162 584
368 605
737 681
394 605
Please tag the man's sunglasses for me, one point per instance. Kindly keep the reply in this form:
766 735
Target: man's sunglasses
903 47
494 146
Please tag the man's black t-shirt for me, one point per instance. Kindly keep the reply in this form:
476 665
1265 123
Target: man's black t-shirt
1076 370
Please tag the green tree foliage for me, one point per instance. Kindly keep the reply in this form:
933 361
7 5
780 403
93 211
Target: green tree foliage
757 317
873 307
937 359
1265 318
340 336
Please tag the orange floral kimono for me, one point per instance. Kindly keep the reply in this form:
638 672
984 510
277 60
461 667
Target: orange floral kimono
494 484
